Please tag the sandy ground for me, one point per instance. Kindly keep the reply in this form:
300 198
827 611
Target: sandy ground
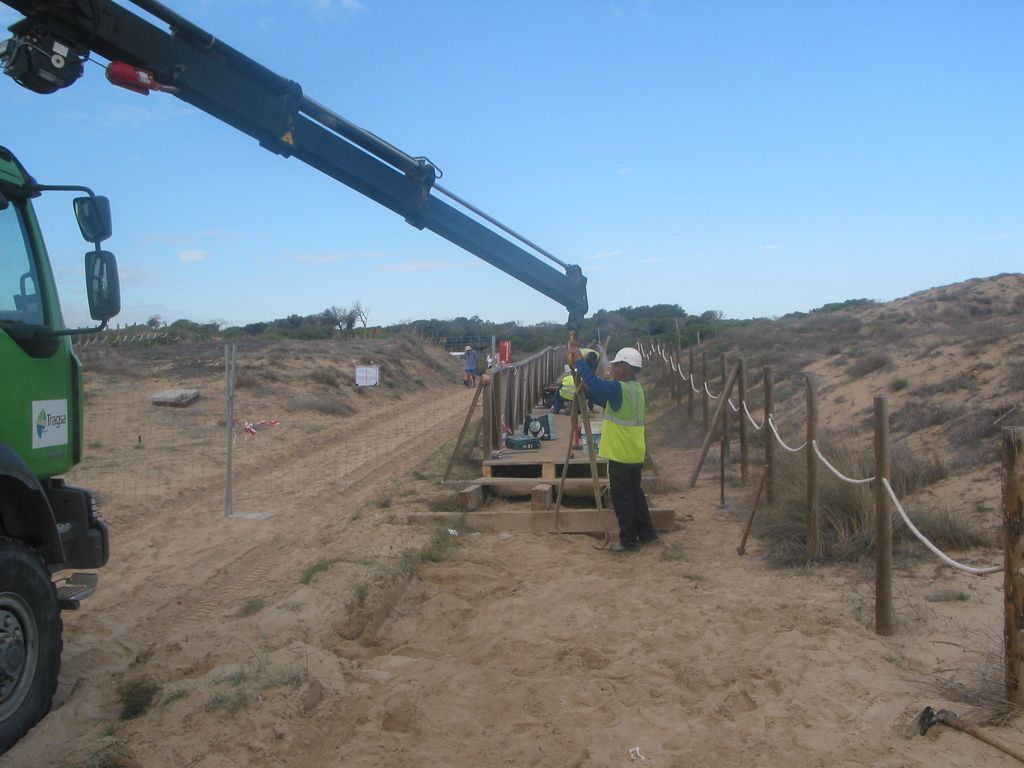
517 649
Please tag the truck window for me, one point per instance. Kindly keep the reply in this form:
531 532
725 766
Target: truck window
19 282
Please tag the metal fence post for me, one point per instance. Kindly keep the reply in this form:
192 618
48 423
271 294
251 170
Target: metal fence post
229 395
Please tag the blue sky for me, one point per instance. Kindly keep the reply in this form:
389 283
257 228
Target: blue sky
755 158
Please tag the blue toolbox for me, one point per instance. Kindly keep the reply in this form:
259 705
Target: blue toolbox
521 442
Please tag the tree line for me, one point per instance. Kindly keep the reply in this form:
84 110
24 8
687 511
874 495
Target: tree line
669 323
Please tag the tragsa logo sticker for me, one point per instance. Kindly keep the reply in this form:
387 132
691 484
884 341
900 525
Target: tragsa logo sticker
50 423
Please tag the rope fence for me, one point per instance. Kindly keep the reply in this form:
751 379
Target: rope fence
656 352
884 495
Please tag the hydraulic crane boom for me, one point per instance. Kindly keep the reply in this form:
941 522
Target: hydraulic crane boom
52 42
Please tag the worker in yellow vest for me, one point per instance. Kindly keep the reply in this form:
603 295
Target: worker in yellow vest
623 443
566 390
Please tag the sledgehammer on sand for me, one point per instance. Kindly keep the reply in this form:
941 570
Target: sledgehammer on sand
930 717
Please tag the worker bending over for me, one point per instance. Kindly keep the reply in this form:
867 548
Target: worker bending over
567 387
623 443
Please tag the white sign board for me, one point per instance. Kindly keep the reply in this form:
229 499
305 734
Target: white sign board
367 375
49 423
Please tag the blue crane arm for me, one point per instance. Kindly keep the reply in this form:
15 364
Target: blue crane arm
54 38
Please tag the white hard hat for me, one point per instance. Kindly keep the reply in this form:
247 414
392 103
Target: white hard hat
566 369
630 356
467 348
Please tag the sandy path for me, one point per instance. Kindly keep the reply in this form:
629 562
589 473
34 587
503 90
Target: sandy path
178 577
533 651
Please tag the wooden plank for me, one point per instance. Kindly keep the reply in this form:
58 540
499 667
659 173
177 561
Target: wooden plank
525 485
541 497
539 521
470 498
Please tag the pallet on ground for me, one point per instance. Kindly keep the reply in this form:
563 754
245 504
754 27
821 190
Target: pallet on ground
531 464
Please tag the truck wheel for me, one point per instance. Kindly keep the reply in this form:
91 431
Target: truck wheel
30 641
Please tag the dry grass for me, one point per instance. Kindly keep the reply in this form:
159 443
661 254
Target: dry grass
137 696
330 407
920 414
981 685
111 755
847 513
869 363
328 376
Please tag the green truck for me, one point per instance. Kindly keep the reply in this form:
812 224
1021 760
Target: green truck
47 528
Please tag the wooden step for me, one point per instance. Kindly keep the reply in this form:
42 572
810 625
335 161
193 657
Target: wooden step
539 521
521 486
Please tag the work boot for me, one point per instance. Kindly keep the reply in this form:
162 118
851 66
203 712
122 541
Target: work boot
619 548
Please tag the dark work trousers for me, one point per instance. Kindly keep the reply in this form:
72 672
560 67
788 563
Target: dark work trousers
630 504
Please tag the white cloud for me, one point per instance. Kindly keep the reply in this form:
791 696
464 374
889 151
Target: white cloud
349 6
652 260
625 171
772 247
642 8
601 255
187 257
990 238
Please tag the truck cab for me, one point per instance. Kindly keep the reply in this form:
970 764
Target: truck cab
46 526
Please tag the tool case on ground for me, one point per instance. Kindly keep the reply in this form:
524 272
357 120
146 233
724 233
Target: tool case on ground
522 442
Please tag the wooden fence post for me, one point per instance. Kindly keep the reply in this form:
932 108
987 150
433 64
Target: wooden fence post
722 403
724 451
689 388
769 438
488 415
812 471
1013 581
744 456
883 522
499 391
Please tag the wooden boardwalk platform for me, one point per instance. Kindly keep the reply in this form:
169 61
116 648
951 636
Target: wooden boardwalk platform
536 473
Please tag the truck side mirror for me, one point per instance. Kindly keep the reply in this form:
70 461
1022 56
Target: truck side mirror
93 214
102 284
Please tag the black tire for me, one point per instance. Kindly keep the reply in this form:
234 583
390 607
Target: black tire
30 641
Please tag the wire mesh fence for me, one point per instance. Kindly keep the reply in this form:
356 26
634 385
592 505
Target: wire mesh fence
301 430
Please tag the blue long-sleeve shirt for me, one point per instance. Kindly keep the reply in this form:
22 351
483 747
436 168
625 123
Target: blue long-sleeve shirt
600 391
